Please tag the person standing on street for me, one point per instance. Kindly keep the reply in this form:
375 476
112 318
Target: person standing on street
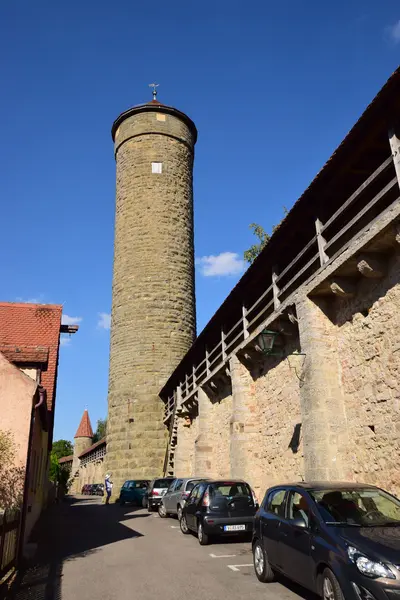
108 487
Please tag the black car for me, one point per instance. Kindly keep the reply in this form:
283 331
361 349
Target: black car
223 507
340 540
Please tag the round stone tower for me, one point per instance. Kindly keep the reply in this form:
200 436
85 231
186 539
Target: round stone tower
153 300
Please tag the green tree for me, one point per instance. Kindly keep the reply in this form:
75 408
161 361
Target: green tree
251 253
101 429
12 475
58 473
62 448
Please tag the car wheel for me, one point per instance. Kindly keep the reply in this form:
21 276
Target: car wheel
144 502
179 513
330 586
162 512
150 507
183 524
261 565
202 536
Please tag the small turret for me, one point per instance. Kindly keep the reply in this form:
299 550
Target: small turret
84 435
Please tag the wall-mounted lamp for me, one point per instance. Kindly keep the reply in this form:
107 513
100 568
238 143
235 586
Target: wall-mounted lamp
266 341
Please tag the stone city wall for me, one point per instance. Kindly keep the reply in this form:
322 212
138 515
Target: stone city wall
369 350
327 409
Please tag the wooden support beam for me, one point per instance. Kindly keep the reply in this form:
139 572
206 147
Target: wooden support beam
178 396
275 290
223 345
344 287
321 241
245 322
395 148
372 265
194 376
207 363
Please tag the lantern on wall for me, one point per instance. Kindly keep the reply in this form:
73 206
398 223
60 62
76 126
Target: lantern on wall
266 341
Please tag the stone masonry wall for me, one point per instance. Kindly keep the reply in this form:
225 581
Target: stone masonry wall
220 413
184 452
277 455
153 313
369 348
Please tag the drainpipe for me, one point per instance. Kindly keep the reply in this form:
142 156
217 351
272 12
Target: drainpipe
38 405
41 396
26 482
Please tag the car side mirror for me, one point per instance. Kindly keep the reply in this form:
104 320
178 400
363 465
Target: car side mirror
299 522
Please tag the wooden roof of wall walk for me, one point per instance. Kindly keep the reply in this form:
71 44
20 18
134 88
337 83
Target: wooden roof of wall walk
363 149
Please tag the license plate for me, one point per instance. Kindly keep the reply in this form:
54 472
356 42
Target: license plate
234 527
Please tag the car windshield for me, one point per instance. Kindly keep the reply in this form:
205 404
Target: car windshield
162 483
229 490
369 507
190 484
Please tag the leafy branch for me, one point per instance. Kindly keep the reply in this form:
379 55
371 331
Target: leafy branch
251 253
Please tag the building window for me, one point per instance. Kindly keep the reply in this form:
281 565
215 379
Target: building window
156 167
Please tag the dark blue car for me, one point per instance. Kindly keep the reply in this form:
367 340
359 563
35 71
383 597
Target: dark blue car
133 491
340 540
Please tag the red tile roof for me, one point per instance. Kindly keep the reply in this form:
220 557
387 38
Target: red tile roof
26 327
65 459
101 442
85 427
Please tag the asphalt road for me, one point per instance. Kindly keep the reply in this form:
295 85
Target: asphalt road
88 550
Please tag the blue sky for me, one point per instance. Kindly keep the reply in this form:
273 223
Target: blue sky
272 87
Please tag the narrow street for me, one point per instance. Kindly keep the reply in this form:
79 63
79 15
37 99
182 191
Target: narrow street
88 550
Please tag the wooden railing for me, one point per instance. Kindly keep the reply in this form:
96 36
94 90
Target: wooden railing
330 239
10 522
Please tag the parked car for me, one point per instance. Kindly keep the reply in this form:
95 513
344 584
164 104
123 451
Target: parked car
155 492
133 491
100 489
97 489
223 508
86 489
174 499
338 540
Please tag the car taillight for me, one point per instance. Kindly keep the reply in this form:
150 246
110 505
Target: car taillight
154 493
254 497
185 494
206 499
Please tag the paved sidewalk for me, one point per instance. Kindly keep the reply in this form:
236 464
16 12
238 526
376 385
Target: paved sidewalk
89 551
75 528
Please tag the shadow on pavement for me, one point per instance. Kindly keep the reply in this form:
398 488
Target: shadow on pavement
74 528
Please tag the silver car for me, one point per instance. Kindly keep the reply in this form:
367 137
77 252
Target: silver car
173 501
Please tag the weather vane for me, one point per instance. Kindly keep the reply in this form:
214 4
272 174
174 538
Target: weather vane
154 86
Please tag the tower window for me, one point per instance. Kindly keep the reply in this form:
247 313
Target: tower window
156 167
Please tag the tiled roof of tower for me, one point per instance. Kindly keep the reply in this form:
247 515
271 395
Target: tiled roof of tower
31 333
154 105
85 427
